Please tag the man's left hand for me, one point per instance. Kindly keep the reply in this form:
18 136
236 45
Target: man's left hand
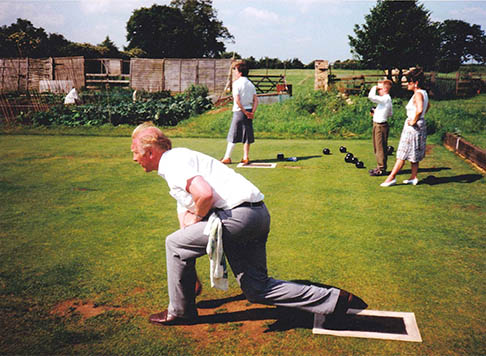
190 218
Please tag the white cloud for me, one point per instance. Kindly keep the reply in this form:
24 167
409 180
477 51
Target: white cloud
46 16
114 6
261 15
470 13
97 6
306 6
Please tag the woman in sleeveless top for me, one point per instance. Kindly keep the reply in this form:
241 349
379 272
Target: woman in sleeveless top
414 134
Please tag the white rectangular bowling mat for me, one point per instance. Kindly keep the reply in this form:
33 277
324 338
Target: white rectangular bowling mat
257 165
374 324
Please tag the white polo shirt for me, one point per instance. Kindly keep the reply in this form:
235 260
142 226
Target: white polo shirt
384 109
246 90
178 165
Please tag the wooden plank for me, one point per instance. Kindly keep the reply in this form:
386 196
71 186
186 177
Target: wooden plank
466 149
147 74
70 68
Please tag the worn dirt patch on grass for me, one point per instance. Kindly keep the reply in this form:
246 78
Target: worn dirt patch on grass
90 309
244 323
231 318
86 309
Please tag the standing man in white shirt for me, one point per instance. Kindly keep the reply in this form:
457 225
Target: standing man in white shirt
245 103
381 113
201 186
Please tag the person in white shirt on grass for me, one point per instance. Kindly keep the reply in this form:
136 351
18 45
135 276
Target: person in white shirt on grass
381 113
245 103
204 187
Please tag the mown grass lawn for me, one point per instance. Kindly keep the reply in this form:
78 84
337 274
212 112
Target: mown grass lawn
82 261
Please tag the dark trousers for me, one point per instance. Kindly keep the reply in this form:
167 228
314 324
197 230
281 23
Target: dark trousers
380 144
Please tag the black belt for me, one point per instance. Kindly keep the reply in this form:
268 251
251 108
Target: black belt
251 205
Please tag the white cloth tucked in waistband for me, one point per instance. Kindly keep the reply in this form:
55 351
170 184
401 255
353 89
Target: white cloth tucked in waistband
217 260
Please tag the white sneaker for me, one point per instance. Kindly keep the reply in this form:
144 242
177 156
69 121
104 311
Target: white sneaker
388 184
411 181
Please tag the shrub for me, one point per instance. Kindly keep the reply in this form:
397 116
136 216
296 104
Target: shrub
443 88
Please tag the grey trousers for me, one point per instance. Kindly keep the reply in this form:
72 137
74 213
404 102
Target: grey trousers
245 232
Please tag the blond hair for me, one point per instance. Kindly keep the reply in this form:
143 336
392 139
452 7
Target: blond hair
148 135
388 83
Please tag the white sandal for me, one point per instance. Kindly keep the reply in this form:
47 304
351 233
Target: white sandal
388 184
411 181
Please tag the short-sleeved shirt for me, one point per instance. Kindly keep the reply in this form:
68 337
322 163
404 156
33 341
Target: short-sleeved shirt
384 110
246 90
178 165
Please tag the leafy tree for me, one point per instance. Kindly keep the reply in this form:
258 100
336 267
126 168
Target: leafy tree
252 62
270 63
397 34
236 55
208 33
22 39
460 42
111 49
294 63
347 64
58 46
86 50
135 53
160 31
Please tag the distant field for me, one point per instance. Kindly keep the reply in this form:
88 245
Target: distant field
302 80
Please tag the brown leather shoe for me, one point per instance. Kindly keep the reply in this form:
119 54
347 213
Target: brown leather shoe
165 318
245 161
347 301
226 161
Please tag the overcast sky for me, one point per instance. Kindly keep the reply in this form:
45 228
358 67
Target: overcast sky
286 29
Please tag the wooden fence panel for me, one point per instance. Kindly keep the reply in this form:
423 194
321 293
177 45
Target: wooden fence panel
70 68
188 74
180 74
147 74
38 69
172 74
222 75
13 74
176 75
206 74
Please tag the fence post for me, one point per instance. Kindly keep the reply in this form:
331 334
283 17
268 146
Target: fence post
321 75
